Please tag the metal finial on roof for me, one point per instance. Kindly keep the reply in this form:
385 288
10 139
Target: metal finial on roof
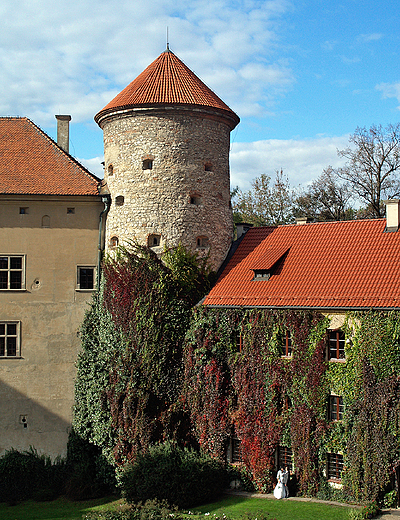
167 40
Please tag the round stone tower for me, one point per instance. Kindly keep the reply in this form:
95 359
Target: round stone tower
166 150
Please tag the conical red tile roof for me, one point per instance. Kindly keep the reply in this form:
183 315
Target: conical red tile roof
167 81
32 163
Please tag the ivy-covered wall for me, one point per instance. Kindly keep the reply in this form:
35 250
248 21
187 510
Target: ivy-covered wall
236 378
154 367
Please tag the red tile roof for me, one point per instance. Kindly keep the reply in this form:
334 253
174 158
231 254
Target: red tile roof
31 163
167 81
332 265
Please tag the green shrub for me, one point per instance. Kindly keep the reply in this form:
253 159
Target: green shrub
26 474
182 477
150 510
390 499
89 474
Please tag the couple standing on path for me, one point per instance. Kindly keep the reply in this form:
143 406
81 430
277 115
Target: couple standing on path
281 489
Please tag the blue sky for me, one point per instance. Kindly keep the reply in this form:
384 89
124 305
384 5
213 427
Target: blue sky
301 74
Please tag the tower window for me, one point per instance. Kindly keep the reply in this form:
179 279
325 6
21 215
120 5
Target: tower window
119 201
202 242
154 240
195 199
208 167
114 242
23 211
147 164
110 169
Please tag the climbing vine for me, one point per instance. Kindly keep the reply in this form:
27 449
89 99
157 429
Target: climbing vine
154 367
130 369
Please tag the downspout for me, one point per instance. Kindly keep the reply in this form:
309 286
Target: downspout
106 200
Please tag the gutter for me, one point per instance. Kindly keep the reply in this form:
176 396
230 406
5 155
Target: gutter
106 200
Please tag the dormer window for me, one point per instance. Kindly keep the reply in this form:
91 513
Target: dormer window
261 274
147 164
270 264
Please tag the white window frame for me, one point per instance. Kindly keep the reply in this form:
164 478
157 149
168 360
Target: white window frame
17 336
78 271
9 270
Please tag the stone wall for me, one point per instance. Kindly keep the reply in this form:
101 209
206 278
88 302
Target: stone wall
183 195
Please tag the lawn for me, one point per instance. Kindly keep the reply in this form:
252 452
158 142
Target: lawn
232 506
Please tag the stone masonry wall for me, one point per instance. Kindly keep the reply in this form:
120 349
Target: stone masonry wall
184 197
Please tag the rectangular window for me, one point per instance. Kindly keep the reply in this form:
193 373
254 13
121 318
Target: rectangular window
9 339
86 278
336 344
285 457
12 272
335 466
286 347
335 408
234 454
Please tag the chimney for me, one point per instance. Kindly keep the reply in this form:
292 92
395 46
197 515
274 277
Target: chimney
63 132
242 228
303 220
392 215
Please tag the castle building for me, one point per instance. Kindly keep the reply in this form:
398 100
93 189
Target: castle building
166 142
50 211
166 149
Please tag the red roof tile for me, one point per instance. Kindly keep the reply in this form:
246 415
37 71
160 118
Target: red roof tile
167 81
31 163
332 265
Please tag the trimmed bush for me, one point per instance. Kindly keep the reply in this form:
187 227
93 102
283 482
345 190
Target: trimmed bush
182 477
26 474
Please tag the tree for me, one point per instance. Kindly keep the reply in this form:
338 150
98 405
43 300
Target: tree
373 162
265 205
325 199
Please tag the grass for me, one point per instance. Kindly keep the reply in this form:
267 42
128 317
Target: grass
232 506
236 507
60 509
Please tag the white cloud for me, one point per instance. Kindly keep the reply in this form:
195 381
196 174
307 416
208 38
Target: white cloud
301 160
371 37
94 165
74 56
390 90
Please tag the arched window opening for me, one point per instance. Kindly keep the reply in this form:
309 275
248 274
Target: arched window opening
45 221
154 240
114 242
110 169
202 242
195 199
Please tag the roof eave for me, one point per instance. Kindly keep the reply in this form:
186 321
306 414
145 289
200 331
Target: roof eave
227 116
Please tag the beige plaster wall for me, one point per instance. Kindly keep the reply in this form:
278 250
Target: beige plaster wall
40 384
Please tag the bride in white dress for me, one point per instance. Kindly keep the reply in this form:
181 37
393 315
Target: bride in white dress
281 490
